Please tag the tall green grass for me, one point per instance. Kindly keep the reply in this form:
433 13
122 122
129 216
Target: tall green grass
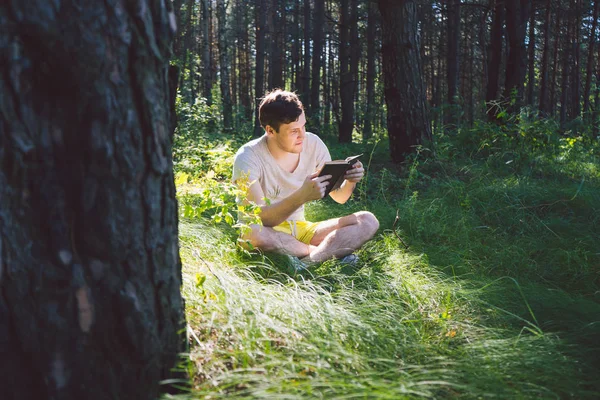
496 297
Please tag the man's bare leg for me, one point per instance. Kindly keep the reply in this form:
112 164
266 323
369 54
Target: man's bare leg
268 239
341 236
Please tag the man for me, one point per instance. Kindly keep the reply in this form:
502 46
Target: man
282 167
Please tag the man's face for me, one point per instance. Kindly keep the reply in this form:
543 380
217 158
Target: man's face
290 136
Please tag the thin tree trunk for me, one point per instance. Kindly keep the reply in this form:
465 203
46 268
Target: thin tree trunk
275 61
495 57
517 14
305 93
206 74
245 67
355 50
373 21
544 104
553 85
90 274
407 120
346 123
564 97
453 62
224 66
317 33
575 106
531 58
260 11
589 70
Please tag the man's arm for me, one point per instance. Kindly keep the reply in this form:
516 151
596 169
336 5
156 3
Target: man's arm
271 215
352 177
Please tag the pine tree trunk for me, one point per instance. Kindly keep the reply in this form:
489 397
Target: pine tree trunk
575 106
305 93
495 57
453 62
206 73
552 106
346 83
531 59
589 70
259 82
407 120
275 57
373 21
90 274
224 66
544 104
317 33
564 96
245 65
517 14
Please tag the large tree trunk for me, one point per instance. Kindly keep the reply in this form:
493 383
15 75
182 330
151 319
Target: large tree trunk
495 57
317 33
346 83
259 82
544 104
589 71
408 122
90 274
224 66
517 14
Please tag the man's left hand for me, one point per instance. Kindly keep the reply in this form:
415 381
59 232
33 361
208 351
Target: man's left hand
356 173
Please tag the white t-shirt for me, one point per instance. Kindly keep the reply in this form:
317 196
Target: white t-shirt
254 160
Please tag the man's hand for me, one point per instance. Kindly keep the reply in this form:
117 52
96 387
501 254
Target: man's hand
356 173
314 187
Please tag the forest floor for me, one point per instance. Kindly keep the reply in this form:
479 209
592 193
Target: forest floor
497 296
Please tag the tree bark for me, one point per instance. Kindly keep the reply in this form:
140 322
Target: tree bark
589 70
531 60
575 106
495 57
517 14
206 73
275 58
372 23
552 106
566 67
317 33
453 59
259 82
544 104
224 66
305 92
90 274
407 119
346 83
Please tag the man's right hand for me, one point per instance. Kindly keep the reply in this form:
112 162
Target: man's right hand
314 186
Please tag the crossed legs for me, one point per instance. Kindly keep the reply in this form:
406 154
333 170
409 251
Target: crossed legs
336 237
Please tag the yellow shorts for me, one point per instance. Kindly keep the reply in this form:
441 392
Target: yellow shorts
301 230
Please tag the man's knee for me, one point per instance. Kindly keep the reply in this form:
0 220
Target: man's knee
369 222
255 238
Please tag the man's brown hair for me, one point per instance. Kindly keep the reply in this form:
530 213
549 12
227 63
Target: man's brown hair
279 107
